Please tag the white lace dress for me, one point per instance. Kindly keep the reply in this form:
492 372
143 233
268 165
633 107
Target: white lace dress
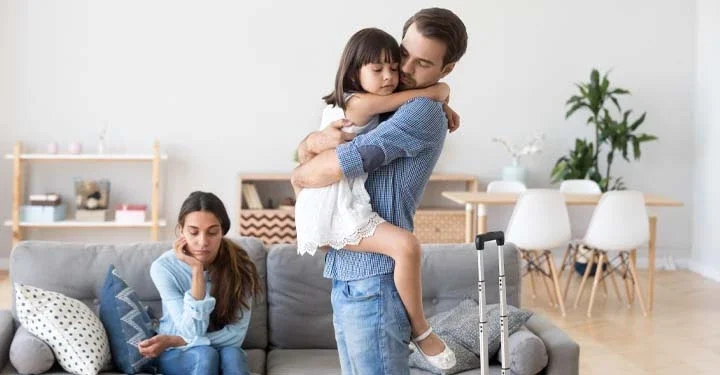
339 214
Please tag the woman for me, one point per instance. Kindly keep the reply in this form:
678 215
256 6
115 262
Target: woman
207 284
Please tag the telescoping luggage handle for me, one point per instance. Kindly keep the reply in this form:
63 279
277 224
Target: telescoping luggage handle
499 239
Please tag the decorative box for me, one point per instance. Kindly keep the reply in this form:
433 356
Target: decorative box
91 215
130 213
42 214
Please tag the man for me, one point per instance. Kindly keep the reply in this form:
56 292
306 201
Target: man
371 325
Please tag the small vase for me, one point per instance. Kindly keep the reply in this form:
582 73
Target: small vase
513 173
75 147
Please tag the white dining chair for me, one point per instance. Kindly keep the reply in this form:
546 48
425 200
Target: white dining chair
619 226
540 223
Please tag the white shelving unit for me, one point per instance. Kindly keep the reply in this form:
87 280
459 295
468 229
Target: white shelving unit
19 158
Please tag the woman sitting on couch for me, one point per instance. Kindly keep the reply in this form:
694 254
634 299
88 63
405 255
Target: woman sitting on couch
207 284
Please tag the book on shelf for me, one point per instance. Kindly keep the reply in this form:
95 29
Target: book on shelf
50 199
252 197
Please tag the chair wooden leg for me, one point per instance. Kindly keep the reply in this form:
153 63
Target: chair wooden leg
633 260
614 282
525 255
637 288
604 284
570 276
550 294
556 282
598 276
566 256
626 272
584 279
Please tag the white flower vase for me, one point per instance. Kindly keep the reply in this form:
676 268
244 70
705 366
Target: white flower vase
513 173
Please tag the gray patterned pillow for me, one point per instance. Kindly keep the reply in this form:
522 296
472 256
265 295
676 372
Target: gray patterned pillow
460 327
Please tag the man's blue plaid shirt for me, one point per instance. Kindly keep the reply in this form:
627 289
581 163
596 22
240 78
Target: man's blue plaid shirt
399 157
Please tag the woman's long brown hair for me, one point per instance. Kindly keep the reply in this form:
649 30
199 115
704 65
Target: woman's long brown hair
233 274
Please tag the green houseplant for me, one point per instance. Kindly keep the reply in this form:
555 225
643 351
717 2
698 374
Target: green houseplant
613 135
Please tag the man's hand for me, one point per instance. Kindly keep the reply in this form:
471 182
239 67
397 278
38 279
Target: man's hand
156 345
452 117
330 137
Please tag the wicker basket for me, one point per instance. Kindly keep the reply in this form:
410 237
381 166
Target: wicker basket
271 226
440 226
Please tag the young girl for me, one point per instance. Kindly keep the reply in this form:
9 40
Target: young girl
340 215
207 284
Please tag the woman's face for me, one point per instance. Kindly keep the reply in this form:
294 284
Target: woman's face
204 236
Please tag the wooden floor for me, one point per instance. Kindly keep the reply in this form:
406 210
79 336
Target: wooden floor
681 337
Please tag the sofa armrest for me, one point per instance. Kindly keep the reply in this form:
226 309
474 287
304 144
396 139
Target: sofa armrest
563 352
7 332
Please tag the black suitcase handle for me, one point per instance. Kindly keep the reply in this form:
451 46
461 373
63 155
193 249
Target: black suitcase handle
498 237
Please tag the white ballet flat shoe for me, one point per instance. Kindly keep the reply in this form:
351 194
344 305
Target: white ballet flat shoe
444 360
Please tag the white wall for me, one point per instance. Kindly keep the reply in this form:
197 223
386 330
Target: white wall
706 253
230 88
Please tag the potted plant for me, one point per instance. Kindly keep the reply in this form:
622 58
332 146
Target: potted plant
613 135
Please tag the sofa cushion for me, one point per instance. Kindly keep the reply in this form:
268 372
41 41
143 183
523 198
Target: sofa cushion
300 314
528 355
126 323
74 333
29 354
56 258
256 363
303 362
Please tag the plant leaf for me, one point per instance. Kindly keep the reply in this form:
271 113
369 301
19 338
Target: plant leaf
638 122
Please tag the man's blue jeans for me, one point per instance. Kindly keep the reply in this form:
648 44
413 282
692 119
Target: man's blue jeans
204 360
372 329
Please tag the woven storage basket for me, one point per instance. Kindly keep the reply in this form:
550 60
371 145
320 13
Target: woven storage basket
440 226
272 226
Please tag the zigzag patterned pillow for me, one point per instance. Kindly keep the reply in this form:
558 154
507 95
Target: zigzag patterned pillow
127 323
74 333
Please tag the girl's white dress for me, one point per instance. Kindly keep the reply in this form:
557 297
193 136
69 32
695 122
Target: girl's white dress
339 214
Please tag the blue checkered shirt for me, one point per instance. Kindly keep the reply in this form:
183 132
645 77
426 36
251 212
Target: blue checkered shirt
399 156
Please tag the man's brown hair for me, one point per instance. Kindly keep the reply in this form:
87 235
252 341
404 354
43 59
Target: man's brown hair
443 25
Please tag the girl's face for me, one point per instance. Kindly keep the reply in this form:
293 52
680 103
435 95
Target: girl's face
204 236
379 78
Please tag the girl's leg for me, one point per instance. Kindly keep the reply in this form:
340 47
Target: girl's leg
404 248
233 361
199 360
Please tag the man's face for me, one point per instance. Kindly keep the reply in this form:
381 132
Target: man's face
422 60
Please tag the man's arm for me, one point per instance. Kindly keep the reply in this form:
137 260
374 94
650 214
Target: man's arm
417 126
322 170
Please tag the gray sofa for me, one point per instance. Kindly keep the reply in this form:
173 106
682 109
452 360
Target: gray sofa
291 330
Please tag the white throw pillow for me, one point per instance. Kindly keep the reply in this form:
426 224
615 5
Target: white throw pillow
74 333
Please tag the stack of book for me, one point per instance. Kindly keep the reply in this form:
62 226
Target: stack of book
252 198
43 208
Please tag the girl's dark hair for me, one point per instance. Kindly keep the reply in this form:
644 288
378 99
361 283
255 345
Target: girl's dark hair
233 274
367 46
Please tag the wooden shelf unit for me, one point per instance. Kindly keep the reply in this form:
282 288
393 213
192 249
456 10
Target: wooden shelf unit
273 225
18 158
